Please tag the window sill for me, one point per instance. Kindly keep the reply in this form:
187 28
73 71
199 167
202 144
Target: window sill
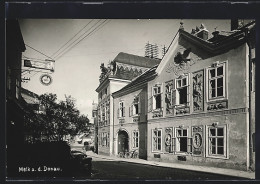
224 157
181 106
217 99
181 153
159 152
157 110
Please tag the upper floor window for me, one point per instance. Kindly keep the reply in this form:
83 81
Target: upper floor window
135 107
157 97
121 110
181 92
216 81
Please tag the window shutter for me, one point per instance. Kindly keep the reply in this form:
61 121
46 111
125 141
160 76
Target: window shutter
173 144
189 144
123 112
188 91
117 113
139 107
174 97
150 104
108 141
162 100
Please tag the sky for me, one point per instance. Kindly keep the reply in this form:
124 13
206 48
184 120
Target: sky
91 42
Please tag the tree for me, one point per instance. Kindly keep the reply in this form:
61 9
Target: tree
60 118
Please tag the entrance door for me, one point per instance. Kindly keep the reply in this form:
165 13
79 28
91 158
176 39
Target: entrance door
123 141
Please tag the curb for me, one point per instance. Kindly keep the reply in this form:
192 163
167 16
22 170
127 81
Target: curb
222 171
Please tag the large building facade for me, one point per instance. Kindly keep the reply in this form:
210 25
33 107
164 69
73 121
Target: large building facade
196 106
200 103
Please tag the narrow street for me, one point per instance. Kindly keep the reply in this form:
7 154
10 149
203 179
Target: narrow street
118 169
111 169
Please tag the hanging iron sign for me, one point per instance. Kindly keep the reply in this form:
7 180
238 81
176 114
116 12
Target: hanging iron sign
46 79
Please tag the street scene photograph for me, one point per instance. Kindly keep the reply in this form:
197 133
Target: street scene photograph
130 99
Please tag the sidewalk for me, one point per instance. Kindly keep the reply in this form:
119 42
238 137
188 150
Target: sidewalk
229 172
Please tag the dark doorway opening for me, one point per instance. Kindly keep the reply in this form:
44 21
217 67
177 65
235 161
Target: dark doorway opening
123 145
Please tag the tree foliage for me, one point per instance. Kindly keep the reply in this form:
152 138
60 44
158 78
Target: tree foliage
60 118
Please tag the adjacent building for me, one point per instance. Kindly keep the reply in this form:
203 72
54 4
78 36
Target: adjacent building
14 102
130 116
118 74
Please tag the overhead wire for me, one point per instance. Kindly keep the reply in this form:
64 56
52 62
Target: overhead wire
39 52
71 38
67 49
74 42
71 46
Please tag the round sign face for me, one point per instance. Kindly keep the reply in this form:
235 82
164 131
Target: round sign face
46 79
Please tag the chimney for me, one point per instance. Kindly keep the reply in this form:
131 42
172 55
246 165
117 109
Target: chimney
234 24
201 32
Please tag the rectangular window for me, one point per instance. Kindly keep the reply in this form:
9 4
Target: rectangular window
217 146
157 97
135 139
182 91
121 110
157 140
181 144
135 107
216 81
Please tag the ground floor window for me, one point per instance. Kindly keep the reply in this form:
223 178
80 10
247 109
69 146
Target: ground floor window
157 140
135 139
181 140
216 143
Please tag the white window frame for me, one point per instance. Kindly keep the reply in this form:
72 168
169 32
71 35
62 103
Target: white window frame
133 109
156 149
155 93
121 109
225 154
135 139
176 98
177 142
216 65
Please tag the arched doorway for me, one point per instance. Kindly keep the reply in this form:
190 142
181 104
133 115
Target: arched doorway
123 145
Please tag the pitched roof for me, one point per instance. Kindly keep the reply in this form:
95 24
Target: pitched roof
136 60
227 40
137 82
